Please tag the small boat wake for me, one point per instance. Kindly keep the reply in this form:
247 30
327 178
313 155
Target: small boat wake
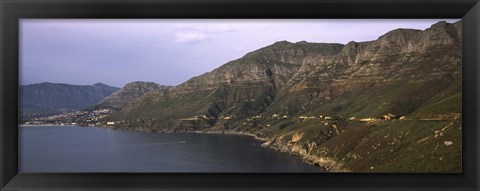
158 144
168 143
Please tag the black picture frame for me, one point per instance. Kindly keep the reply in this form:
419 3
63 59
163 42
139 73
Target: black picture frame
13 10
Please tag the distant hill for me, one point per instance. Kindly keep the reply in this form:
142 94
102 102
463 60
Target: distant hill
388 105
50 98
128 93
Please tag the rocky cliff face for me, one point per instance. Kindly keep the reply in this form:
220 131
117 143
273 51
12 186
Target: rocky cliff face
241 87
128 93
421 62
50 98
363 106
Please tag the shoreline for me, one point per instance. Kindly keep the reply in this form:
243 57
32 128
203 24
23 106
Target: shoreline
43 125
327 164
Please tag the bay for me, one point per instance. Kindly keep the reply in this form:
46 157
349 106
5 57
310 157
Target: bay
97 149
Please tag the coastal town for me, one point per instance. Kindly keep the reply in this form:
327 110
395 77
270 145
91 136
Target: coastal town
82 118
94 118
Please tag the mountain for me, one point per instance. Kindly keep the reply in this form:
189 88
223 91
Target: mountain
388 105
51 98
128 93
256 76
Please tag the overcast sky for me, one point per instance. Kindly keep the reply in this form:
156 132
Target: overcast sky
168 52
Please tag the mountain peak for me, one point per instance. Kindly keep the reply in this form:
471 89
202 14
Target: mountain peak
448 32
99 84
443 26
53 98
282 42
364 80
128 93
400 33
440 24
47 83
142 85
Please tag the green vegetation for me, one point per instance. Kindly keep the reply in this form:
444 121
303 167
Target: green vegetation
390 105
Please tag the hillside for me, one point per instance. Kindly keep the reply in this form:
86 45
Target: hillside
52 98
388 105
128 93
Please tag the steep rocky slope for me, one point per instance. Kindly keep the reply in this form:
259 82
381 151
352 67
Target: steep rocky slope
245 87
388 105
128 93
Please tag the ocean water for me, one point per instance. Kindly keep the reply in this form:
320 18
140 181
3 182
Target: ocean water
95 149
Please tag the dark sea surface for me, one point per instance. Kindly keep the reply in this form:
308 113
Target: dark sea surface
95 149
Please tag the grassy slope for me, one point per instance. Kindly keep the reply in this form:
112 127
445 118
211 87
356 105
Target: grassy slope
398 146
409 145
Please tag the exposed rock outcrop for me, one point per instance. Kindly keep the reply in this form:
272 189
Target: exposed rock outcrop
128 93
410 73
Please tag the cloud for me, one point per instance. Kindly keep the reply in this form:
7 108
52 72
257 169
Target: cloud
190 37
192 33
211 28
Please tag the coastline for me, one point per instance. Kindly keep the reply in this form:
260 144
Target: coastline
327 164
43 125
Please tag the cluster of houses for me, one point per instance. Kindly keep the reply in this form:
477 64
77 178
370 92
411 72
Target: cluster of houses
195 118
72 118
277 116
388 116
